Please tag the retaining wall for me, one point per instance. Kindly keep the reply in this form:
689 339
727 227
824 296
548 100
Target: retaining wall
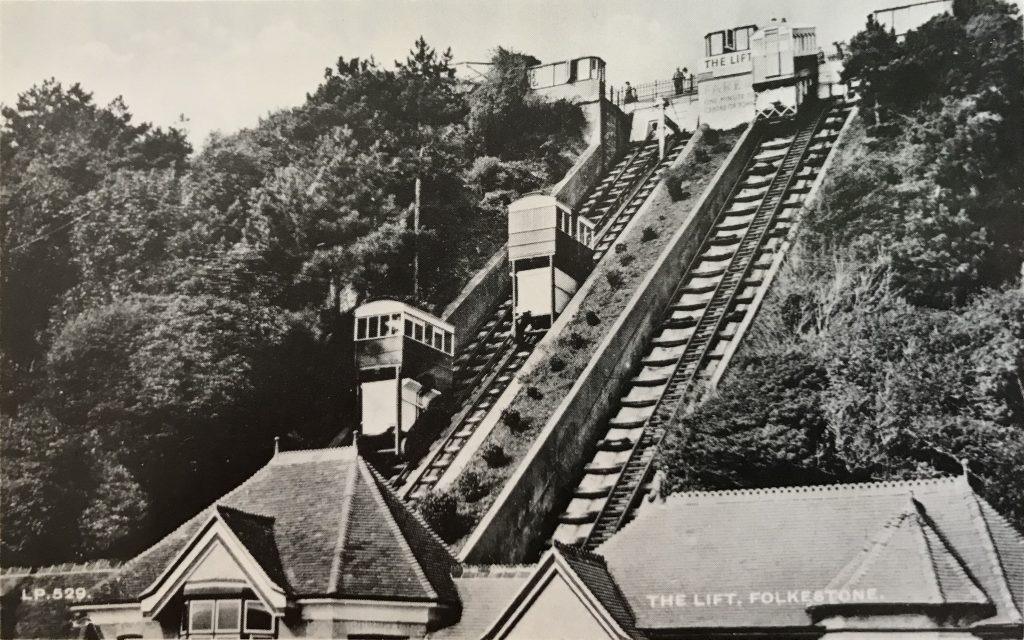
480 296
548 474
587 171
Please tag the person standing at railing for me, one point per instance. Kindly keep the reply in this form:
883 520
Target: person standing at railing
630 94
678 78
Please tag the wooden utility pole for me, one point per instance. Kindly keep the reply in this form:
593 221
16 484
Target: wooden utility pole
416 239
398 411
661 130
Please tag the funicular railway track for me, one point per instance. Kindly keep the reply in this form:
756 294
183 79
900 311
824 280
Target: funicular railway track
487 366
712 298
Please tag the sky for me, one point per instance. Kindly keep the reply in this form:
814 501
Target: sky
224 64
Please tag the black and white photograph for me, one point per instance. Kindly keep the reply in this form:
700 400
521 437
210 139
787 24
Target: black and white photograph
512 319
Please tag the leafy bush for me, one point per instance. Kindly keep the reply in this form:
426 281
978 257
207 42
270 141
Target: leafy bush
626 259
471 486
514 420
494 455
614 278
649 233
556 363
592 318
576 341
534 392
441 512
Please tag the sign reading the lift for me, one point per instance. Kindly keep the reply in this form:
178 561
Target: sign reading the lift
728 64
726 102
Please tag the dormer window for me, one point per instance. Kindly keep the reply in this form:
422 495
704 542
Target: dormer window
226 618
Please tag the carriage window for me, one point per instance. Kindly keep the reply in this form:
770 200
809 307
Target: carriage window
417 332
361 329
714 43
385 326
561 73
742 39
583 69
773 57
408 328
448 339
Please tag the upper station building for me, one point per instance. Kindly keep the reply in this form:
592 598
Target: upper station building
747 71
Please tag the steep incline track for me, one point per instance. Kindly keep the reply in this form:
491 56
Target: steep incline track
711 300
487 366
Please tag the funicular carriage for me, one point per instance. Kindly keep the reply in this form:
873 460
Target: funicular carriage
404 360
550 253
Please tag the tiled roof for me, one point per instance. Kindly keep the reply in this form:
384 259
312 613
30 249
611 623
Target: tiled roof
256 533
1009 546
908 542
484 595
331 524
917 567
593 571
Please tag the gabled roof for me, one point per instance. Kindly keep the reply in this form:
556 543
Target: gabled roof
779 549
321 523
588 578
256 533
592 570
485 592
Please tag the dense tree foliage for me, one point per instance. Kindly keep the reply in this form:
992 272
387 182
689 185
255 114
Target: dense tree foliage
165 315
892 344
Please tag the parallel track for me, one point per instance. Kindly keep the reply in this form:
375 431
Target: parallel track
487 366
711 300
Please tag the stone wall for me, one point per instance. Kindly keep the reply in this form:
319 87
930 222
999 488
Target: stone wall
479 297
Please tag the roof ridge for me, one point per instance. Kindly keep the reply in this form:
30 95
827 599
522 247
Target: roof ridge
946 549
396 530
346 509
981 525
89 566
580 552
252 514
414 513
323 454
844 487
199 516
930 554
496 570
869 554
577 554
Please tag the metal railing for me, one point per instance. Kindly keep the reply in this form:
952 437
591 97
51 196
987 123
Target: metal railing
650 91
